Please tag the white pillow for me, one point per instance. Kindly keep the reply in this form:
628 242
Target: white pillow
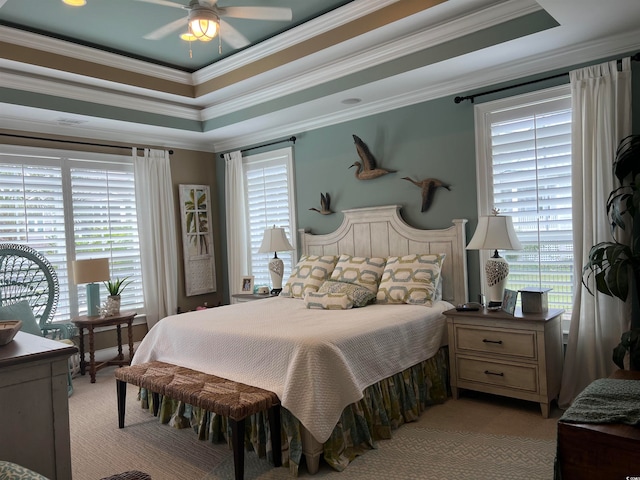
307 276
362 271
412 279
328 301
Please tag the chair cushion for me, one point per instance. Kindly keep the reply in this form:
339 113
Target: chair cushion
14 471
21 311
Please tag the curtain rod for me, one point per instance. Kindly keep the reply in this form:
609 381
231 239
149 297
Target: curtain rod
72 141
635 57
290 139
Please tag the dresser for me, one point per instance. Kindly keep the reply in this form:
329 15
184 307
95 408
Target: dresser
35 405
519 356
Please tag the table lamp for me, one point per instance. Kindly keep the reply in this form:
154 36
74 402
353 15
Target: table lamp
91 271
274 239
495 232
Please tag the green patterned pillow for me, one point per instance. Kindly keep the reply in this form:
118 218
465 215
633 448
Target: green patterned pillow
412 279
307 276
359 270
328 301
360 296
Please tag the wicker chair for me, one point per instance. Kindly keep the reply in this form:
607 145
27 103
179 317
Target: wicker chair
25 274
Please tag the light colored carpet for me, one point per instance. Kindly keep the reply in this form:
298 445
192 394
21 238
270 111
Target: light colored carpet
476 437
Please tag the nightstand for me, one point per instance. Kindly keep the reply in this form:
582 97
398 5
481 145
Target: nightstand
248 297
517 356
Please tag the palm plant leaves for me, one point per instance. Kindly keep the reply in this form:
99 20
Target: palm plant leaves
197 220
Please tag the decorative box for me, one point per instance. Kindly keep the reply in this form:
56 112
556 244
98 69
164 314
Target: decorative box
534 300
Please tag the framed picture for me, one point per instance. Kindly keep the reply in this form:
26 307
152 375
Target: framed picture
197 239
509 301
247 284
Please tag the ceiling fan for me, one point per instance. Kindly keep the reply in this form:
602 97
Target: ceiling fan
205 20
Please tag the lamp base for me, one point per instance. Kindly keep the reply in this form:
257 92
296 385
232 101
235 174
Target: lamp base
93 299
275 291
497 271
276 269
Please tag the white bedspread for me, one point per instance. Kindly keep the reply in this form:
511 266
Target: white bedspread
316 361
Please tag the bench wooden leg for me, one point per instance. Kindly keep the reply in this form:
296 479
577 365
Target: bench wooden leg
121 388
276 441
155 398
237 444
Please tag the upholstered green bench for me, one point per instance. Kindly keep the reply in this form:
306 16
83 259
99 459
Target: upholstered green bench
224 397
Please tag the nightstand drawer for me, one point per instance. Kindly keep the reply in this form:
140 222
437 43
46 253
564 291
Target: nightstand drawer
521 377
519 344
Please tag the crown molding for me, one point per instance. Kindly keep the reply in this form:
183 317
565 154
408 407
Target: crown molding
84 93
370 57
289 38
92 55
558 59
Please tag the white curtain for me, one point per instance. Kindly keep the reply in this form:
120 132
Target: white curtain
237 235
601 103
157 231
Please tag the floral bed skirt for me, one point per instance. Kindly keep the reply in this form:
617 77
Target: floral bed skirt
384 407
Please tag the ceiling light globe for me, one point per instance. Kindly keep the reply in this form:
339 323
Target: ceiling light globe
203 30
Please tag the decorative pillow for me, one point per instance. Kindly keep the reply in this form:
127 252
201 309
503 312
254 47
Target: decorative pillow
21 311
328 301
359 270
360 296
411 279
307 276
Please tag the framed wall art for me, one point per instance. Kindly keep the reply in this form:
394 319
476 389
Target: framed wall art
197 239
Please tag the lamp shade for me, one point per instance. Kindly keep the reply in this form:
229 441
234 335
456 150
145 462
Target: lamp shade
91 270
274 240
494 232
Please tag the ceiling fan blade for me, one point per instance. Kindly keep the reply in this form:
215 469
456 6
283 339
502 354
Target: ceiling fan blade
258 13
165 3
2 2
232 36
167 29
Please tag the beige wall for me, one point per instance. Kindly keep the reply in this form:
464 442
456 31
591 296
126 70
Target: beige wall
187 167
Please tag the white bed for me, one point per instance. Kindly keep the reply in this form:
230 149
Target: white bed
320 361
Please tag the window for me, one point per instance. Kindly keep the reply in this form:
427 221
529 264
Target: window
270 201
72 205
524 170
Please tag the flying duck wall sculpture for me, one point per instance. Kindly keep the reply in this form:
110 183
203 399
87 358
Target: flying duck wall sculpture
325 205
367 169
428 187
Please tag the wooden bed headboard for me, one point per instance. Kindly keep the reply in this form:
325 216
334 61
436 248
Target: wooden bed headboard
381 232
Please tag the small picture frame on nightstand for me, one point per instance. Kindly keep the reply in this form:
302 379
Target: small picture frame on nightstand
509 301
247 284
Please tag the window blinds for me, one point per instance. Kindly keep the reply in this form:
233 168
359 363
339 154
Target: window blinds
531 170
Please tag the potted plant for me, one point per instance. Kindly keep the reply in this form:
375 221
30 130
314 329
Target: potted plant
615 266
115 288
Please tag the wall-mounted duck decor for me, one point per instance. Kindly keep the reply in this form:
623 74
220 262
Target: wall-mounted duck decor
325 205
367 169
428 187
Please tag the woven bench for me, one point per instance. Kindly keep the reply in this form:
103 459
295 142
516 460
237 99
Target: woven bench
218 395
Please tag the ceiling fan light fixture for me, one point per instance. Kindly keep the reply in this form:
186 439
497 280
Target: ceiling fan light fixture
203 24
75 3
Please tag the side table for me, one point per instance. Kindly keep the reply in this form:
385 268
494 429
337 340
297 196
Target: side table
517 356
248 297
90 323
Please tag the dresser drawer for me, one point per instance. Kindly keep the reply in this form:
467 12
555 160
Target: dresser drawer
516 343
521 377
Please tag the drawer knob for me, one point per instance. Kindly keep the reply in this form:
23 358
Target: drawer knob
499 374
498 342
